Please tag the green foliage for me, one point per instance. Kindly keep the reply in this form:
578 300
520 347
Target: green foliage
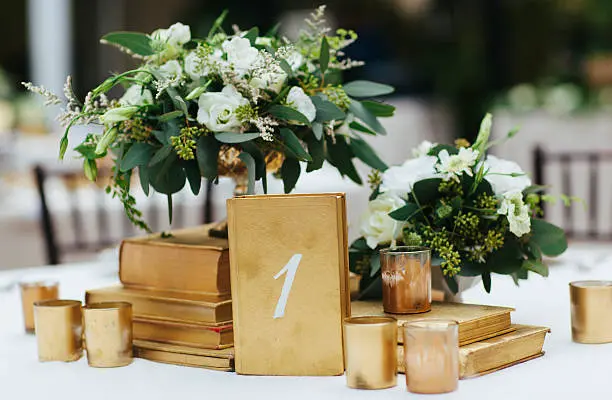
294 145
367 89
135 42
249 161
288 114
365 153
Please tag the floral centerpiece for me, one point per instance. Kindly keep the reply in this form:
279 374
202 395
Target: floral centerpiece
478 214
226 104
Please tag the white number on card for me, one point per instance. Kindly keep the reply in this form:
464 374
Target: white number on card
290 268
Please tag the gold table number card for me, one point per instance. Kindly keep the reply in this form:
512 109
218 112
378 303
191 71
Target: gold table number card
289 281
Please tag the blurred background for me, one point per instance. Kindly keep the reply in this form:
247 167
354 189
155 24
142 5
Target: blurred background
542 65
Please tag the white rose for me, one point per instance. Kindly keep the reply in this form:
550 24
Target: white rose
136 95
177 35
295 60
217 110
299 101
240 54
377 226
517 213
399 180
498 175
118 114
171 70
423 148
269 81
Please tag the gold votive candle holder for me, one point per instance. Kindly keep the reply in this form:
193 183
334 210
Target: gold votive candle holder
58 330
431 356
591 305
370 352
406 279
31 292
108 334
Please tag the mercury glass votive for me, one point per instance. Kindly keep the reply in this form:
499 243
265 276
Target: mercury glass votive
591 302
108 334
31 292
370 352
58 330
406 279
431 356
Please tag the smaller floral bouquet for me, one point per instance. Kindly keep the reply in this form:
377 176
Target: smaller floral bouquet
477 213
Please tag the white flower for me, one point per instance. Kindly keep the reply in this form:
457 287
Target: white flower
217 110
295 60
177 35
196 67
299 101
377 226
451 166
240 54
399 180
136 95
517 212
423 149
118 114
171 70
270 81
499 176
263 41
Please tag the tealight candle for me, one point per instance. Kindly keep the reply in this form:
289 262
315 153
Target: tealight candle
31 292
108 334
591 302
431 356
58 330
406 277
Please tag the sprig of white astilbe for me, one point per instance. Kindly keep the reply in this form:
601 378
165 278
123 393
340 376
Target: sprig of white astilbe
347 63
266 126
50 97
317 24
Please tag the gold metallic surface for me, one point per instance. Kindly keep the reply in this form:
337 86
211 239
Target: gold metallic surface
58 330
108 334
591 302
31 292
431 356
406 276
370 352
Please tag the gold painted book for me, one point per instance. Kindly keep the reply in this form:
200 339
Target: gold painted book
494 354
289 271
187 261
171 306
183 334
220 360
476 322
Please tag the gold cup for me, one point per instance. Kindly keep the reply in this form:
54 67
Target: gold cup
370 352
431 356
108 334
406 276
58 330
591 302
31 292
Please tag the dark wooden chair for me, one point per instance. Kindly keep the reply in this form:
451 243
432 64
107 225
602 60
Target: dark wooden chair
80 241
564 162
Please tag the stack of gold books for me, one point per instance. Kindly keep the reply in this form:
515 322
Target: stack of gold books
487 338
179 288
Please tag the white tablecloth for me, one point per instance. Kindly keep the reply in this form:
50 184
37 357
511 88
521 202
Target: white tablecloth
567 371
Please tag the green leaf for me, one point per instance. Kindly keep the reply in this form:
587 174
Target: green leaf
452 150
161 155
235 137
549 238
207 153
252 35
288 114
374 264
471 269
88 151
486 281
273 31
506 260
317 153
451 282
379 109
258 156
317 130
290 172
536 266
361 128
294 145
367 89
170 208
170 115
360 245
340 156
286 67
217 24
193 176
138 154
90 168
365 153
167 177
324 55
136 42
326 110
143 174
405 213
426 190
366 117
249 161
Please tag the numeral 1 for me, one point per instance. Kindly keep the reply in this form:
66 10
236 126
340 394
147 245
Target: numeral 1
290 268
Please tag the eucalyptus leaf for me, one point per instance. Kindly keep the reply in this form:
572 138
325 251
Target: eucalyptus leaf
486 281
257 154
471 269
361 128
290 172
161 155
536 266
207 153
326 110
317 130
317 154
294 145
137 155
143 174
452 284
286 67
235 137
366 117
550 239
367 89
193 176
170 115
365 153
248 160
374 264
252 35
379 109
167 177
426 190
405 213
340 155
324 55
288 114
506 260
135 42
